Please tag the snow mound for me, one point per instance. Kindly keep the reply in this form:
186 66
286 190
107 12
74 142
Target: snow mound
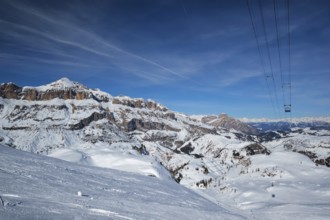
107 158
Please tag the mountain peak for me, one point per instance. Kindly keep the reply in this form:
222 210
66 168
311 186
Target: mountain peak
223 115
225 121
65 80
63 83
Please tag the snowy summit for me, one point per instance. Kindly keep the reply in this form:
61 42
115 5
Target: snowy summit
61 84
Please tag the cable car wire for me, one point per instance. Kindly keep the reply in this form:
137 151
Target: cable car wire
268 53
263 45
268 60
260 56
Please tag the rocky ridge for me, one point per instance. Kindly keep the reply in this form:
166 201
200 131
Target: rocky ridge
223 120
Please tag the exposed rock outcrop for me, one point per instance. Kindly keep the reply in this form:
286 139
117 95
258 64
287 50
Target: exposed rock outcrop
139 124
325 161
138 103
10 91
255 148
224 121
94 117
35 95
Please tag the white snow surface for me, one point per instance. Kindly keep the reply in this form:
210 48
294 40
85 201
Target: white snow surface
40 187
105 157
282 185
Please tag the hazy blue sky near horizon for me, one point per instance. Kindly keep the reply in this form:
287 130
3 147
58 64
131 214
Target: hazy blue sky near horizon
193 56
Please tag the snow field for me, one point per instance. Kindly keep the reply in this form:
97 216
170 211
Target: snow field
282 185
39 187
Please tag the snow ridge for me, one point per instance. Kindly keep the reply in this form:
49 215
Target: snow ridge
61 84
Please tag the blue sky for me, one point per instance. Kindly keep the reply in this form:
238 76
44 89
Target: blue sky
196 57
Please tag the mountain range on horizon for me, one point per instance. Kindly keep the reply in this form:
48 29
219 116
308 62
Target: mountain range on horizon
14 91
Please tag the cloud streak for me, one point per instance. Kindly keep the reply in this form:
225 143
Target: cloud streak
17 58
67 34
83 34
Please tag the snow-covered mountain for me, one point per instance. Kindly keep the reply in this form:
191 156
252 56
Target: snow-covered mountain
70 121
325 119
224 121
65 116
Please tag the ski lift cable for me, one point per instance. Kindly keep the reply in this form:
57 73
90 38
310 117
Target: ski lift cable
278 48
287 83
266 37
268 54
260 56
278 41
256 37
289 49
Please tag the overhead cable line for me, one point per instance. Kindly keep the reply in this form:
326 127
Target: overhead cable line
284 85
278 44
289 39
260 56
268 53
271 31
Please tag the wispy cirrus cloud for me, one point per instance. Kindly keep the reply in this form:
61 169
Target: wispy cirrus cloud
18 58
44 31
69 34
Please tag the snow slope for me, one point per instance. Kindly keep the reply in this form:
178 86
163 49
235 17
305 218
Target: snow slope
40 187
282 185
106 157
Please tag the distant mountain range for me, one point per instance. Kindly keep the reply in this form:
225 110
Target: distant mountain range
263 124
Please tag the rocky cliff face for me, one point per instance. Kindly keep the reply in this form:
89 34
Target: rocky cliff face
51 91
223 120
32 94
138 103
10 91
